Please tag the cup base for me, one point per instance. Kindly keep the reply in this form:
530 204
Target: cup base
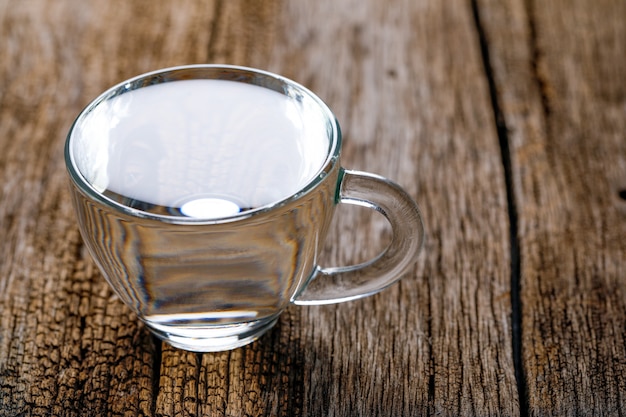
212 338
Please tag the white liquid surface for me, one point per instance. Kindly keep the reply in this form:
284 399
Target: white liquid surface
201 148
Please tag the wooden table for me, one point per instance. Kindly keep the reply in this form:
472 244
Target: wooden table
505 120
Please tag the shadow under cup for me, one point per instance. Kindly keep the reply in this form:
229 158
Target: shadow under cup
204 194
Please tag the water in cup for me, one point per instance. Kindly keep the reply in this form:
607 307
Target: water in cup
200 148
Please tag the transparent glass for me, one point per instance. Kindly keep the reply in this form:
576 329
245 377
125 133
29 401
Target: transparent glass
207 217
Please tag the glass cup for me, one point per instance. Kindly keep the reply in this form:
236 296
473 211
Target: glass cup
204 194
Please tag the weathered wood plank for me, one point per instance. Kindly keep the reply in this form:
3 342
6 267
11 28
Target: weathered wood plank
67 345
408 86
407 83
559 71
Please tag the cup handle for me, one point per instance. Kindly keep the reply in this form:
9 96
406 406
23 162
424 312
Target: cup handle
339 284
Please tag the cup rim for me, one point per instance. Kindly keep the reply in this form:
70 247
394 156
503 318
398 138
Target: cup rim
280 84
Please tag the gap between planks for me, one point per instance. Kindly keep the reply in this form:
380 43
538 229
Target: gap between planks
516 302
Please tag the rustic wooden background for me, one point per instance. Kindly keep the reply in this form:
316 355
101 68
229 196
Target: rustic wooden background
505 120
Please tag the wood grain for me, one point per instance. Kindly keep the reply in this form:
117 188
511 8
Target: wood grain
491 114
431 344
558 69
67 345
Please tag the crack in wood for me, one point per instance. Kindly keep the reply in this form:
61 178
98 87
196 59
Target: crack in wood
214 30
156 373
502 131
536 60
